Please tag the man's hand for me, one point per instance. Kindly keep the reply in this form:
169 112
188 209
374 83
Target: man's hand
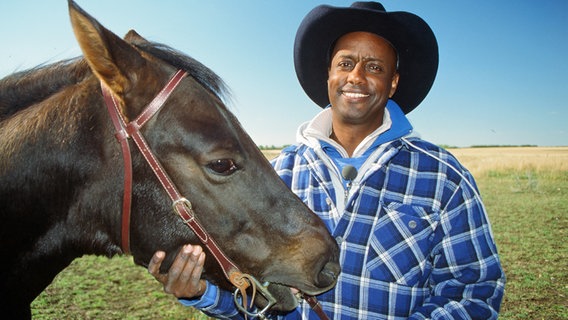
183 280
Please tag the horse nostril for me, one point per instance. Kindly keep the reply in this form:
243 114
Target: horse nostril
328 275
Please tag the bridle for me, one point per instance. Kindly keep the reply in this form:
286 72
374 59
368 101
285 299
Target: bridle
181 205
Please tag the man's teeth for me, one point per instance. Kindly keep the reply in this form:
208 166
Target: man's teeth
355 95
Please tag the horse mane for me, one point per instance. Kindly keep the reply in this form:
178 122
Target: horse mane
25 88
202 74
20 91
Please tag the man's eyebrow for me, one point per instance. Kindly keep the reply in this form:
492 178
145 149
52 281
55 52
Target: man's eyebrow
365 59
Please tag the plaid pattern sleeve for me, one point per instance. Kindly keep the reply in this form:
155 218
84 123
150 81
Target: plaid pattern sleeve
415 239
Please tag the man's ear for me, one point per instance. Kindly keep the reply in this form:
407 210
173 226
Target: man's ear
394 84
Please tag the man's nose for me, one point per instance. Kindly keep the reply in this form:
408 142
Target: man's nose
357 75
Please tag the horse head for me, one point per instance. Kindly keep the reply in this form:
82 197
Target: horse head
236 195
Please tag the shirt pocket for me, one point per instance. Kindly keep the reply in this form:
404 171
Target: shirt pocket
400 244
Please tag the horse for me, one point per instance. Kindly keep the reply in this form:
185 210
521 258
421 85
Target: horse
62 174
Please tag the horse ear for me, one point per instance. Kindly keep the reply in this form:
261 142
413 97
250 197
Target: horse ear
134 38
104 51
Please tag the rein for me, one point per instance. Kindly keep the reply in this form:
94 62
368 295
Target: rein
180 204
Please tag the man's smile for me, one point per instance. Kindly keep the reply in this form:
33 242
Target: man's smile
354 95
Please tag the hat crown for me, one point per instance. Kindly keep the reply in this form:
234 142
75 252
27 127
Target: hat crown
368 5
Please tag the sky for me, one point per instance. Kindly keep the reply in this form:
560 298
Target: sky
502 77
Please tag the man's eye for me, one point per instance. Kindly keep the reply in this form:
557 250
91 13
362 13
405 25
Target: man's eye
375 68
344 65
223 166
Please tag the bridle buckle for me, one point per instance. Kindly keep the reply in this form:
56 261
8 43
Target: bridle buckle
187 214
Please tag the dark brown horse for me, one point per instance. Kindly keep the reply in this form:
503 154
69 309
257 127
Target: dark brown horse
61 174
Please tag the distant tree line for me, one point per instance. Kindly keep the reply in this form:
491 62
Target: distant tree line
503 146
446 146
272 147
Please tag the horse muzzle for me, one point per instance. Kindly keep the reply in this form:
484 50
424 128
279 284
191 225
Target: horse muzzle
283 297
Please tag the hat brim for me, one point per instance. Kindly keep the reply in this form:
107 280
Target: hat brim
411 36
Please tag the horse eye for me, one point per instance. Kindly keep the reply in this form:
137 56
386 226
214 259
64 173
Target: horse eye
223 166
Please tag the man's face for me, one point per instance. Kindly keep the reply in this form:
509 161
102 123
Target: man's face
362 77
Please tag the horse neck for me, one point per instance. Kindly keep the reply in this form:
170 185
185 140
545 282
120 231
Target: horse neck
48 149
53 180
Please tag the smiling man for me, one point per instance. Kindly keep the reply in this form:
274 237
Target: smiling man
362 77
415 241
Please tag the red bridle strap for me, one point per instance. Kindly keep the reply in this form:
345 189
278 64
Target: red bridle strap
180 204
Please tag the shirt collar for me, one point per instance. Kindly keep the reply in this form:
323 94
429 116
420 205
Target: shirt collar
317 131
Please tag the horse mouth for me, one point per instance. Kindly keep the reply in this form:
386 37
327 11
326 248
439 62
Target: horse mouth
289 295
286 299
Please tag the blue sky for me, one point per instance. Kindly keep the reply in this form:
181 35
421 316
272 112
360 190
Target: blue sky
502 79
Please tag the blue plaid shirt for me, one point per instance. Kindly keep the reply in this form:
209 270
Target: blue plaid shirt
414 236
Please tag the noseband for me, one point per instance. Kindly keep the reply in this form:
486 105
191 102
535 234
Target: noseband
180 204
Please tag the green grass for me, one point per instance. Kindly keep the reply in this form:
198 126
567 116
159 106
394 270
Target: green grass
529 214
100 288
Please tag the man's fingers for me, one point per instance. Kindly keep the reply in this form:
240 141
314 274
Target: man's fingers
194 268
184 276
196 274
155 263
180 262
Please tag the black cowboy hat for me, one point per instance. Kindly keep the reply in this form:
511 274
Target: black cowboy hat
410 35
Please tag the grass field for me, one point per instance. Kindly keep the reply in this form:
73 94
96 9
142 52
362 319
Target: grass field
525 191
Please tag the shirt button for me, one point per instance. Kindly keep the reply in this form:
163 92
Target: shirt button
328 201
339 240
412 224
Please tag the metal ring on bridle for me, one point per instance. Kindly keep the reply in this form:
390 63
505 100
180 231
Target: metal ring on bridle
263 290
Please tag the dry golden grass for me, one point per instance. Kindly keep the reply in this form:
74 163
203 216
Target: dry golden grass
482 160
271 154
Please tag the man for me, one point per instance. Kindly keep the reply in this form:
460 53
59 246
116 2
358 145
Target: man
414 237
